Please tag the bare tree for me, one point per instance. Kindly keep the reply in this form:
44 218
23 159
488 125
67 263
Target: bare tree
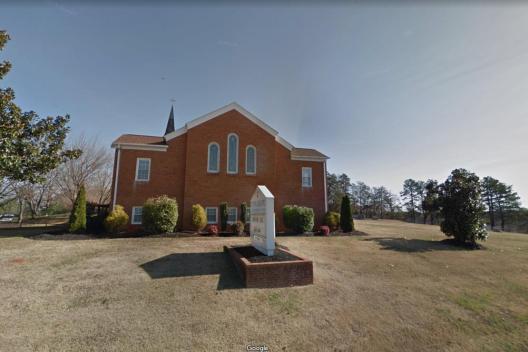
6 191
90 169
100 184
38 196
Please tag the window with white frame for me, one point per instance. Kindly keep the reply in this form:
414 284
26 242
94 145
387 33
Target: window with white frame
307 177
231 215
137 215
213 157
247 220
232 153
251 160
142 169
212 215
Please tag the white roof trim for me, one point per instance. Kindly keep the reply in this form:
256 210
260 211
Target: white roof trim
139 146
223 110
284 142
176 133
309 158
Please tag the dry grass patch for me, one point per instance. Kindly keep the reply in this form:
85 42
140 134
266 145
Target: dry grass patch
398 288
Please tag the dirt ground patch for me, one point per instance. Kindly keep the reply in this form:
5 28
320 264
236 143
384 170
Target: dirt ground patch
398 288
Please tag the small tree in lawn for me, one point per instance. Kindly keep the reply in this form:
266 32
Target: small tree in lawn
346 221
78 214
462 208
223 216
199 219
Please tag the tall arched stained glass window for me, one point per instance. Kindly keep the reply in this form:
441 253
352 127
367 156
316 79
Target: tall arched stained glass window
213 157
251 160
232 153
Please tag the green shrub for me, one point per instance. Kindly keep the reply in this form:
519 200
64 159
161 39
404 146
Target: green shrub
238 228
462 208
332 220
117 220
346 220
77 222
199 219
288 216
298 219
160 214
223 216
243 211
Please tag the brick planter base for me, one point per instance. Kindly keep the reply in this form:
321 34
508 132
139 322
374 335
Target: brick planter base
286 270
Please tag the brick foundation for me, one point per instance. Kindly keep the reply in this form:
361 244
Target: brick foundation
298 272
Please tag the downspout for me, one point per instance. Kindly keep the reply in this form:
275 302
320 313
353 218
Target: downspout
325 190
116 178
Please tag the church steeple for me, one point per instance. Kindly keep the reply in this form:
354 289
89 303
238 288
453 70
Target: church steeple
170 123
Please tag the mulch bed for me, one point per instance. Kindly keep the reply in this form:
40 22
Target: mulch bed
254 256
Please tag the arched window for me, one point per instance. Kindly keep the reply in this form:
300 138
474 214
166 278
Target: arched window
251 160
232 153
213 157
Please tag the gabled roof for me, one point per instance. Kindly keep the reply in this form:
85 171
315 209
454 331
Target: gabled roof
142 142
307 153
223 110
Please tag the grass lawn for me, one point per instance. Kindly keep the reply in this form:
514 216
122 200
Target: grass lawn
396 289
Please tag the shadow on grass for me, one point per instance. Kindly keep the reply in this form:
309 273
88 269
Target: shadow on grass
195 264
415 245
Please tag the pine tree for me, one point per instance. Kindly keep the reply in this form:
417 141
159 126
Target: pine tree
243 211
223 216
78 213
347 223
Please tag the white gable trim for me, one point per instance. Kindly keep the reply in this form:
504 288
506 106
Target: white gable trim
139 146
284 142
223 110
309 158
176 133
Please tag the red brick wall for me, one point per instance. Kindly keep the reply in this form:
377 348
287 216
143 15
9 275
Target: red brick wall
181 171
167 173
212 189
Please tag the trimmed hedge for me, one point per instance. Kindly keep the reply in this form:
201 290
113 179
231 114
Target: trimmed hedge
117 220
199 219
298 219
347 223
77 223
160 214
332 220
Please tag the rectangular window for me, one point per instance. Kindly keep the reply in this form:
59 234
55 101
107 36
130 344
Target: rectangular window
212 215
231 215
137 215
307 177
247 220
142 169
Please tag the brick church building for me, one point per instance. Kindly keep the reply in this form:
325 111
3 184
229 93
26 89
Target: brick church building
219 157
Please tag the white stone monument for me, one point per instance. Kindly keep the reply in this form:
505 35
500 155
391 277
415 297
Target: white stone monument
262 226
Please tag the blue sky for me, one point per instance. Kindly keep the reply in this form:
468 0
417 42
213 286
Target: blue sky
388 92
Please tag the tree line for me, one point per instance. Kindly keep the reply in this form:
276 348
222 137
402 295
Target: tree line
366 201
419 201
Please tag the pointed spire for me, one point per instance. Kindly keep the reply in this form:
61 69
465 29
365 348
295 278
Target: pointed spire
170 123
